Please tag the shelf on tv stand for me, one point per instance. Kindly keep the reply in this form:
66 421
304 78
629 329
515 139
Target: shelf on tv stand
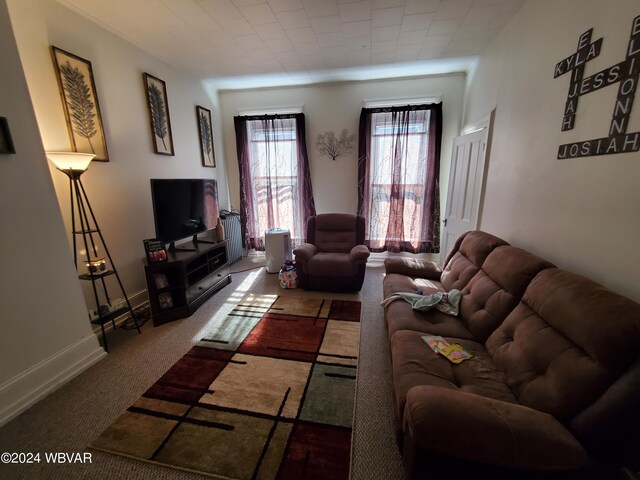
180 285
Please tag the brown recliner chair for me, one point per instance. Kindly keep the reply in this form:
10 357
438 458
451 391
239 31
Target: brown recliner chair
334 257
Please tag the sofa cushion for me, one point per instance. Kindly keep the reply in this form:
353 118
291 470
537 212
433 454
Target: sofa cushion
396 283
497 288
325 264
567 341
400 316
476 428
414 363
335 232
413 267
466 262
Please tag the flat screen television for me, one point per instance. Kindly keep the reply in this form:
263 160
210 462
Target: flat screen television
184 208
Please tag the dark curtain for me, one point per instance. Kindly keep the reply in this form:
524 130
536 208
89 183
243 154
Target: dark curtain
398 193
275 184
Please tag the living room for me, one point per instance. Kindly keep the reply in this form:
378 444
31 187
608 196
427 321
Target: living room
578 213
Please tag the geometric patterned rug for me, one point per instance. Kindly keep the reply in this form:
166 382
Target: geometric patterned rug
266 393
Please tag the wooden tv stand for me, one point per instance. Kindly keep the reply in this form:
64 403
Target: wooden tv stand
186 280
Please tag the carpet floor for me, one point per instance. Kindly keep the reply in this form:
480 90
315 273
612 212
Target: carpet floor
69 419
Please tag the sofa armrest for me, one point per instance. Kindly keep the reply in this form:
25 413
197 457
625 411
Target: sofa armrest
359 254
413 267
470 427
305 251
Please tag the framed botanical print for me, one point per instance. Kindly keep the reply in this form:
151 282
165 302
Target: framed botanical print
80 104
205 133
159 118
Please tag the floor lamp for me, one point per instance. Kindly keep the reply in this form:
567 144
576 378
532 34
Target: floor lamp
74 165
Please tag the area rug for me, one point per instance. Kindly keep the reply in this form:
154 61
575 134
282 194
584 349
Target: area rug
266 393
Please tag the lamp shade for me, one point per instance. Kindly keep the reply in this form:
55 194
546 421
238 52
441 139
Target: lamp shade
75 162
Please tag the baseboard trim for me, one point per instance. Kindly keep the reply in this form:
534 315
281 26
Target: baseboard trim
29 387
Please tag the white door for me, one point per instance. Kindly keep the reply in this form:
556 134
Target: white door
465 187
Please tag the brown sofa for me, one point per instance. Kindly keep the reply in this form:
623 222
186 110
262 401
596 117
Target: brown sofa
553 388
334 257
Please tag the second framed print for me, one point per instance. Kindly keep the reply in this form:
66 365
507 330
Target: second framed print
205 133
159 119
80 104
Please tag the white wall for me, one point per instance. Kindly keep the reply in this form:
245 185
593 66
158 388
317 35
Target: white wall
46 337
119 190
582 214
334 107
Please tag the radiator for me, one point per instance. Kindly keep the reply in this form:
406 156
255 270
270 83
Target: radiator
232 233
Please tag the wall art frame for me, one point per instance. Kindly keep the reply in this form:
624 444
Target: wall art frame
159 117
205 134
6 143
80 104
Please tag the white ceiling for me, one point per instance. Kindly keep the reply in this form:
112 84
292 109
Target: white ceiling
251 42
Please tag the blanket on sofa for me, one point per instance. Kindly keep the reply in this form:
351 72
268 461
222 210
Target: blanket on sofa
448 303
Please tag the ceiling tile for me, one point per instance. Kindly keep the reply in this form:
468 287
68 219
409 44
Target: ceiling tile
355 11
437 41
258 14
280 45
237 26
383 58
421 6
386 17
420 21
301 35
244 3
329 24
381 34
221 9
358 58
444 27
233 37
183 7
356 29
383 47
285 5
478 15
321 8
429 53
330 39
249 42
220 38
201 23
263 54
270 31
386 3
293 19
453 9
412 38
409 50
358 43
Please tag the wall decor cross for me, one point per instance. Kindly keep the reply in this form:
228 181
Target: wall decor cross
625 73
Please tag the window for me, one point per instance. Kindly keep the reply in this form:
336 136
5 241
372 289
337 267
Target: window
398 177
274 176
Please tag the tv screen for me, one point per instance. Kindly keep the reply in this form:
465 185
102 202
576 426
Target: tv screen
184 207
